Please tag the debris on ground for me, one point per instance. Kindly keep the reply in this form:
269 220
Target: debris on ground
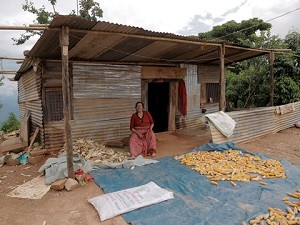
33 189
97 152
232 165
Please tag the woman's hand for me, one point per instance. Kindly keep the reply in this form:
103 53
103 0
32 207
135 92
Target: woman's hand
137 133
151 126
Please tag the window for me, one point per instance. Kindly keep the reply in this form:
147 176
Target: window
212 92
54 105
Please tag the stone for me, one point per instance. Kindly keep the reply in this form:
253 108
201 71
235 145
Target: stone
11 160
79 177
71 184
33 160
58 185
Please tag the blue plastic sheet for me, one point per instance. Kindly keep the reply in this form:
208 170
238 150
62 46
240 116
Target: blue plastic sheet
196 201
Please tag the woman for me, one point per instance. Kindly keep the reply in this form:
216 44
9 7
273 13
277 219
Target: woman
142 139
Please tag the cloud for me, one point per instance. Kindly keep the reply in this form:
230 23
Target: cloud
197 24
234 9
9 88
246 10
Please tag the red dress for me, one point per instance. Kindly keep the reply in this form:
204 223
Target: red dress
147 144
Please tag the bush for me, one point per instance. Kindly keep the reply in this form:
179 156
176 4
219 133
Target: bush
11 124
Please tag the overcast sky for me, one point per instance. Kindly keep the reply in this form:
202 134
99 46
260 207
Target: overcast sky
180 17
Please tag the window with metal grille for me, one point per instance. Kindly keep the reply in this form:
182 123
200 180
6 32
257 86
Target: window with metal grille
212 92
54 104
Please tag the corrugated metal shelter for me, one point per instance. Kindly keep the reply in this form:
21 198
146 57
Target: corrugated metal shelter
112 66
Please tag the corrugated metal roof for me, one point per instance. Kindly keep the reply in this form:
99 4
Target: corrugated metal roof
114 43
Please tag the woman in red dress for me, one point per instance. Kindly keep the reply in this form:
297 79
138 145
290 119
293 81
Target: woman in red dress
142 139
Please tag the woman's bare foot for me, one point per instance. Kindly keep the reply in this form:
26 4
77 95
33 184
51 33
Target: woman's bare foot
153 154
132 157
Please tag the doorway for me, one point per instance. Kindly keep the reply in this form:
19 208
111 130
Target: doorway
158 102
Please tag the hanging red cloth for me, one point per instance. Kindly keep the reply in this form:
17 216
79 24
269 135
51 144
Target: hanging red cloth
183 98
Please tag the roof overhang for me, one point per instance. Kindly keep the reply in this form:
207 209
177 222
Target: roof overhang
105 42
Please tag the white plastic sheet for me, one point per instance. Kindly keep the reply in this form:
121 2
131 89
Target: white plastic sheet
224 123
119 202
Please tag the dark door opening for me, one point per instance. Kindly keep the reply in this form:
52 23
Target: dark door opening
158 102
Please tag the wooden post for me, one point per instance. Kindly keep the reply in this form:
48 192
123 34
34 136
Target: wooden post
271 67
222 78
64 44
173 90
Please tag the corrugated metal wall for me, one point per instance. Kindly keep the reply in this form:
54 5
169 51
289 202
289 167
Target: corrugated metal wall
193 99
29 88
251 124
104 100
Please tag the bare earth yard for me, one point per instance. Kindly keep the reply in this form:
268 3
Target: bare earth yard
63 207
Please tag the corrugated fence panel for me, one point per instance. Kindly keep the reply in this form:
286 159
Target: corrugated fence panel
29 88
289 119
251 124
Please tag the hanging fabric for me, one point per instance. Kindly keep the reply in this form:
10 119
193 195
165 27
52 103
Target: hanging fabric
183 97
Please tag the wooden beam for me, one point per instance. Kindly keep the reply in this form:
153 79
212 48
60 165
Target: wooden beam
154 72
11 58
222 78
22 28
271 68
8 72
64 44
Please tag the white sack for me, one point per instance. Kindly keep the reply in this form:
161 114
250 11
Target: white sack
223 122
115 203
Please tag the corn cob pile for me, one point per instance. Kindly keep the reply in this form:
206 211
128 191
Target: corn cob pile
232 165
277 216
97 152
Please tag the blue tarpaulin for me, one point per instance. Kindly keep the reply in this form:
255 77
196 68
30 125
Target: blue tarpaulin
196 201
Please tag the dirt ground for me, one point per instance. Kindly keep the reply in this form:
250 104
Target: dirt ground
63 207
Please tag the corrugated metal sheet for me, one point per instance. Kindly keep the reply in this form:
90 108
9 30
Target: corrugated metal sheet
29 88
104 100
193 99
106 81
54 134
251 124
107 42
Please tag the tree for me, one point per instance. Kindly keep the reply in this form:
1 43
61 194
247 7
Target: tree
88 9
243 33
11 124
247 83
287 73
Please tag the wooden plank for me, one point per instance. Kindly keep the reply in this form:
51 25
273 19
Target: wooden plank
144 93
24 129
149 72
37 129
13 145
172 106
52 83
